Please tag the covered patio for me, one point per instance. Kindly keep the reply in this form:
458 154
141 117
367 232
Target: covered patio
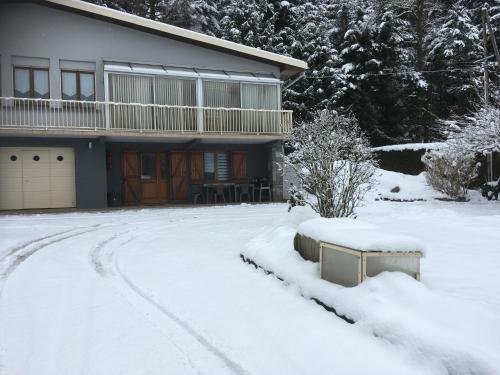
192 172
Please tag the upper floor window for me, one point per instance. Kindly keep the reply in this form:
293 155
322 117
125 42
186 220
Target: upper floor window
31 83
78 85
228 94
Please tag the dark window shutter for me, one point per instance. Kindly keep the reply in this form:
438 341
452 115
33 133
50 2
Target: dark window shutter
239 166
197 168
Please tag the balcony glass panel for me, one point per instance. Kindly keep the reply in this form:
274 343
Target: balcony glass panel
175 92
221 94
260 96
170 91
131 89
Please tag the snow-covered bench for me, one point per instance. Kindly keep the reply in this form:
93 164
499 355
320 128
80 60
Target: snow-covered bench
351 250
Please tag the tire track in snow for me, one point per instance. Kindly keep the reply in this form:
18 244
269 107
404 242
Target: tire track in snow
98 252
105 270
230 364
20 247
21 253
103 266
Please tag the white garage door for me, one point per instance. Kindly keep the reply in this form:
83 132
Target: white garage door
37 177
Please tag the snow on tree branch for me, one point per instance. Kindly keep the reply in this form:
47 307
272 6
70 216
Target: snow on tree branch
479 132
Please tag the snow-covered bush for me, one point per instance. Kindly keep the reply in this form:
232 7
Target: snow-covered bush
333 162
479 132
450 171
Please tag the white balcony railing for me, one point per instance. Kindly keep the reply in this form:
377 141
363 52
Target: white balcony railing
54 114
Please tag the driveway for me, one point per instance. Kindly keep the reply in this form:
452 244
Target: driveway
163 291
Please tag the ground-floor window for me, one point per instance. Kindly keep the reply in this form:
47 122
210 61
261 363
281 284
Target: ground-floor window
148 166
216 166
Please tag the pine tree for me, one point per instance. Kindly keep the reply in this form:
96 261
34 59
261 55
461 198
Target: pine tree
205 17
313 43
454 47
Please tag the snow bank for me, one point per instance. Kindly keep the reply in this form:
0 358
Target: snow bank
411 147
453 335
358 235
399 186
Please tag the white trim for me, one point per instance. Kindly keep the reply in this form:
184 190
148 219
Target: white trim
181 33
159 70
106 97
199 104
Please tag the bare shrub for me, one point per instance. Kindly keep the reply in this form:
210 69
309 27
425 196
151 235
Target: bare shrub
333 162
450 171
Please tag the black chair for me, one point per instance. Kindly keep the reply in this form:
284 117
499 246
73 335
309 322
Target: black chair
197 192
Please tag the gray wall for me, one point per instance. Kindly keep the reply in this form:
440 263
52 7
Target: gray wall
38 31
90 166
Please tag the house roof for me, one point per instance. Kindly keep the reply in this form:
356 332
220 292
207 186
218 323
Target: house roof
288 66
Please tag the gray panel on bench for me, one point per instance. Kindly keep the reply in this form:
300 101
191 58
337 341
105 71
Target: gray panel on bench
376 264
340 267
307 247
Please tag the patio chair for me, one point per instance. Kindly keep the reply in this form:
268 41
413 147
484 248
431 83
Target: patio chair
198 194
219 192
265 187
247 189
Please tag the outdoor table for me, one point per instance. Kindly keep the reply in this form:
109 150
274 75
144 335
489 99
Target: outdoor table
226 185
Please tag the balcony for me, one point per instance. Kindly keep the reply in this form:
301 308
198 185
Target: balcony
103 118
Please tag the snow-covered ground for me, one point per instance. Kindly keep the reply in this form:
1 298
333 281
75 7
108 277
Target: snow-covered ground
158 291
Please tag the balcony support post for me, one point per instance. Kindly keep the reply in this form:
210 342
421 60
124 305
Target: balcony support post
275 166
106 99
199 105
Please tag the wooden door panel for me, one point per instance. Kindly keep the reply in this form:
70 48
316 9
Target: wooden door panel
163 180
197 167
149 192
131 177
149 177
239 166
178 170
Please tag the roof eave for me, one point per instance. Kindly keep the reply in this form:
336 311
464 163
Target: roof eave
289 67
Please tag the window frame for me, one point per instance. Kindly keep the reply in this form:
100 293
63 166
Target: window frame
216 166
78 85
31 80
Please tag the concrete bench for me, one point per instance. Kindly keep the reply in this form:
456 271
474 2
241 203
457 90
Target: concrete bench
349 250
350 267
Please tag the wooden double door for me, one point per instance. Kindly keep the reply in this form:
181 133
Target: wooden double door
154 177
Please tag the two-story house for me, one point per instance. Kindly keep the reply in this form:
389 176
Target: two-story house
99 107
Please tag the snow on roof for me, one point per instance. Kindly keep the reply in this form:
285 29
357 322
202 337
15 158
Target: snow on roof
411 146
288 64
358 235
